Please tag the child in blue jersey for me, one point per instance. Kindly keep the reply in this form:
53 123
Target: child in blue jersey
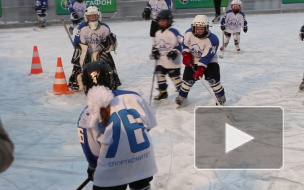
113 132
41 8
77 9
93 41
232 23
200 58
167 53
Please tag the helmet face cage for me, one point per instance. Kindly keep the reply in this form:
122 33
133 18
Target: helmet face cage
92 10
166 15
98 73
200 21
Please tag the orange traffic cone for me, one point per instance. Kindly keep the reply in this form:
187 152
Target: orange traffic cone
60 85
36 65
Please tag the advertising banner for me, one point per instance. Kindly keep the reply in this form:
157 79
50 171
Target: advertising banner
105 6
292 1
189 4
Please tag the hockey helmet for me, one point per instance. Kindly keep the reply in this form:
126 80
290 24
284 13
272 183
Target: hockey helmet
98 73
238 6
200 21
165 15
92 10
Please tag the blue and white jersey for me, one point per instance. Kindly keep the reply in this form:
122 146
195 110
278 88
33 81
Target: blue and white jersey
39 4
92 38
234 22
203 50
122 151
78 8
166 41
157 5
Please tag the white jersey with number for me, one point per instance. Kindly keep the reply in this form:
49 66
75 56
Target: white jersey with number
122 151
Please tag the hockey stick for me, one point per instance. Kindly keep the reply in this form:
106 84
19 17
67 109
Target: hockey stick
222 56
229 115
67 31
152 83
84 183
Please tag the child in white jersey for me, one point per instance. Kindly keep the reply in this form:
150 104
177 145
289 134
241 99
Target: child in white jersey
167 53
232 23
113 132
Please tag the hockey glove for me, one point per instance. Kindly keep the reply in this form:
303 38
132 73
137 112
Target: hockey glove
172 54
301 35
199 72
223 27
43 9
75 16
245 29
90 172
155 53
187 59
146 13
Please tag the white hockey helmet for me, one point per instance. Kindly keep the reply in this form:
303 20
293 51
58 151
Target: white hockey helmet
92 10
236 2
200 21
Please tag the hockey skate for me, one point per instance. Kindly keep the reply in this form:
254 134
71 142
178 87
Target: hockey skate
162 95
221 99
237 48
180 100
216 19
223 47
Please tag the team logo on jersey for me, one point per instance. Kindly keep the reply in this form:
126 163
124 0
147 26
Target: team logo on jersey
183 1
196 50
164 47
232 24
93 40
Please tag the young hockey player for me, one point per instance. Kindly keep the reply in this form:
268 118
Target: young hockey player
232 23
200 58
113 132
41 8
152 9
167 53
93 41
76 9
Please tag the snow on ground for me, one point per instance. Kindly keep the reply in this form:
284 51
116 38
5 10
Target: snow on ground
42 126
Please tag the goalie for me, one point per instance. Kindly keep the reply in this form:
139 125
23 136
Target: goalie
93 42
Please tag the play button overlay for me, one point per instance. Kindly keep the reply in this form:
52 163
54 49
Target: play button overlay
253 140
235 138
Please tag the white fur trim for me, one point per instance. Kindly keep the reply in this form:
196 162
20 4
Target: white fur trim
98 97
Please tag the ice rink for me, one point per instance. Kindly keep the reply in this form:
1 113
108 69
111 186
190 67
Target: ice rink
43 126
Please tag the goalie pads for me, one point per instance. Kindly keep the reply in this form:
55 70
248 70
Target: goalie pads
110 43
81 55
75 80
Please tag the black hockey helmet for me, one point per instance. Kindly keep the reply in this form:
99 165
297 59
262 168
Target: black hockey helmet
166 15
98 73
